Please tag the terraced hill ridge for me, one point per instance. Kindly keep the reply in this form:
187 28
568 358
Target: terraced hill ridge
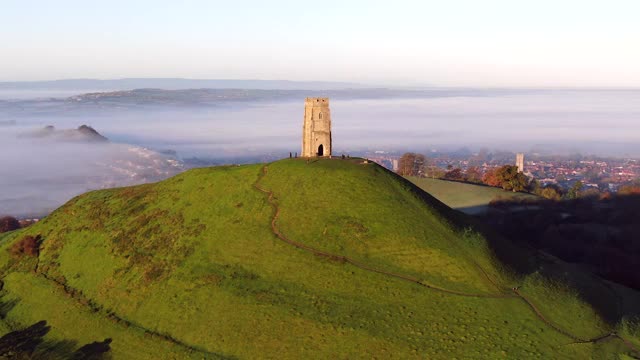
295 259
472 199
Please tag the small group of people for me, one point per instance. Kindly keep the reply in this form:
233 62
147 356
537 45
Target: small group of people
295 155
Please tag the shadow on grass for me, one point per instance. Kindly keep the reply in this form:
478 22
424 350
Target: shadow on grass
517 259
523 258
595 234
6 306
29 343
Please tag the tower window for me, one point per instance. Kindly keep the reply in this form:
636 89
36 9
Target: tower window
319 115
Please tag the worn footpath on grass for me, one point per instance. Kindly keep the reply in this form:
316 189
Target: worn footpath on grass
515 293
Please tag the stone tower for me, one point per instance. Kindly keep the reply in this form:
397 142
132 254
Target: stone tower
520 162
316 131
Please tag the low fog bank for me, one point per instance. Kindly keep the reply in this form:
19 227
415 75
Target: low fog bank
602 122
40 174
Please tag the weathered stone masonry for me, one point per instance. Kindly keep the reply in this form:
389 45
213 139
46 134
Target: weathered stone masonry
316 130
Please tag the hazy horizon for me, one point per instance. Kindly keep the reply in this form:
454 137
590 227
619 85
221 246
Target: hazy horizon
545 76
600 122
412 43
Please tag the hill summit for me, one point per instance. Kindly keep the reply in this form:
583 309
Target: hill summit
83 133
325 258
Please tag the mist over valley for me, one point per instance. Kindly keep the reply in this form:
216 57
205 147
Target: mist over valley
154 133
334 180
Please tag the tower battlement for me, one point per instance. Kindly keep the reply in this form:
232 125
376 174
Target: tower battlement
316 102
316 129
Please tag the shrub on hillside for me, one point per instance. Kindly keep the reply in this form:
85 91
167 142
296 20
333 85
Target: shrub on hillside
454 174
507 177
28 245
629 190
490 178
9 223
473 175
551 192
27 222
411 164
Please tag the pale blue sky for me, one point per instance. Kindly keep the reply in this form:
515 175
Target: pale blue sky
452 42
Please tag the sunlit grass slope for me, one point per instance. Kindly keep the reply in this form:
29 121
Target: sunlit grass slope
469 198
190 267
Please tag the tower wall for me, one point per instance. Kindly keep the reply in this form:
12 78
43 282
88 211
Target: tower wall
520 162
316 129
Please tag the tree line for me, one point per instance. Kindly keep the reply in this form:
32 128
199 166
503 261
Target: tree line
9 223
597 231
506 177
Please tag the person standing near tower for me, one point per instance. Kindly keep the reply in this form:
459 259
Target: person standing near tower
316 129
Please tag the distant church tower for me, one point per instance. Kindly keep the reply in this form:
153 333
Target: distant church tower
316 131
520 162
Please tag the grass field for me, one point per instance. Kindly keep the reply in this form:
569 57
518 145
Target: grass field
468 198
190 268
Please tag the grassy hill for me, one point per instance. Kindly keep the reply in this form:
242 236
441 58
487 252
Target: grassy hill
327 259
469 198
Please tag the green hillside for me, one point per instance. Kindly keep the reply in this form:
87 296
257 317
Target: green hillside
327 259
468 198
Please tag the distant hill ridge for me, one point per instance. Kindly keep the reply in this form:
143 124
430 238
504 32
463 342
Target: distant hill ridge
214 96
83 133
174 84
301 259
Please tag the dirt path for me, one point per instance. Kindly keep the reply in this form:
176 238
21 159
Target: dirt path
515 295
110 315
353 262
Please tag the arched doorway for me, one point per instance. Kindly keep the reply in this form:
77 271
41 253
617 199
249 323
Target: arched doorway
320 150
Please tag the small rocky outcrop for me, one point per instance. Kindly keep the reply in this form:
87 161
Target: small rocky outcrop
90 133
84 133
